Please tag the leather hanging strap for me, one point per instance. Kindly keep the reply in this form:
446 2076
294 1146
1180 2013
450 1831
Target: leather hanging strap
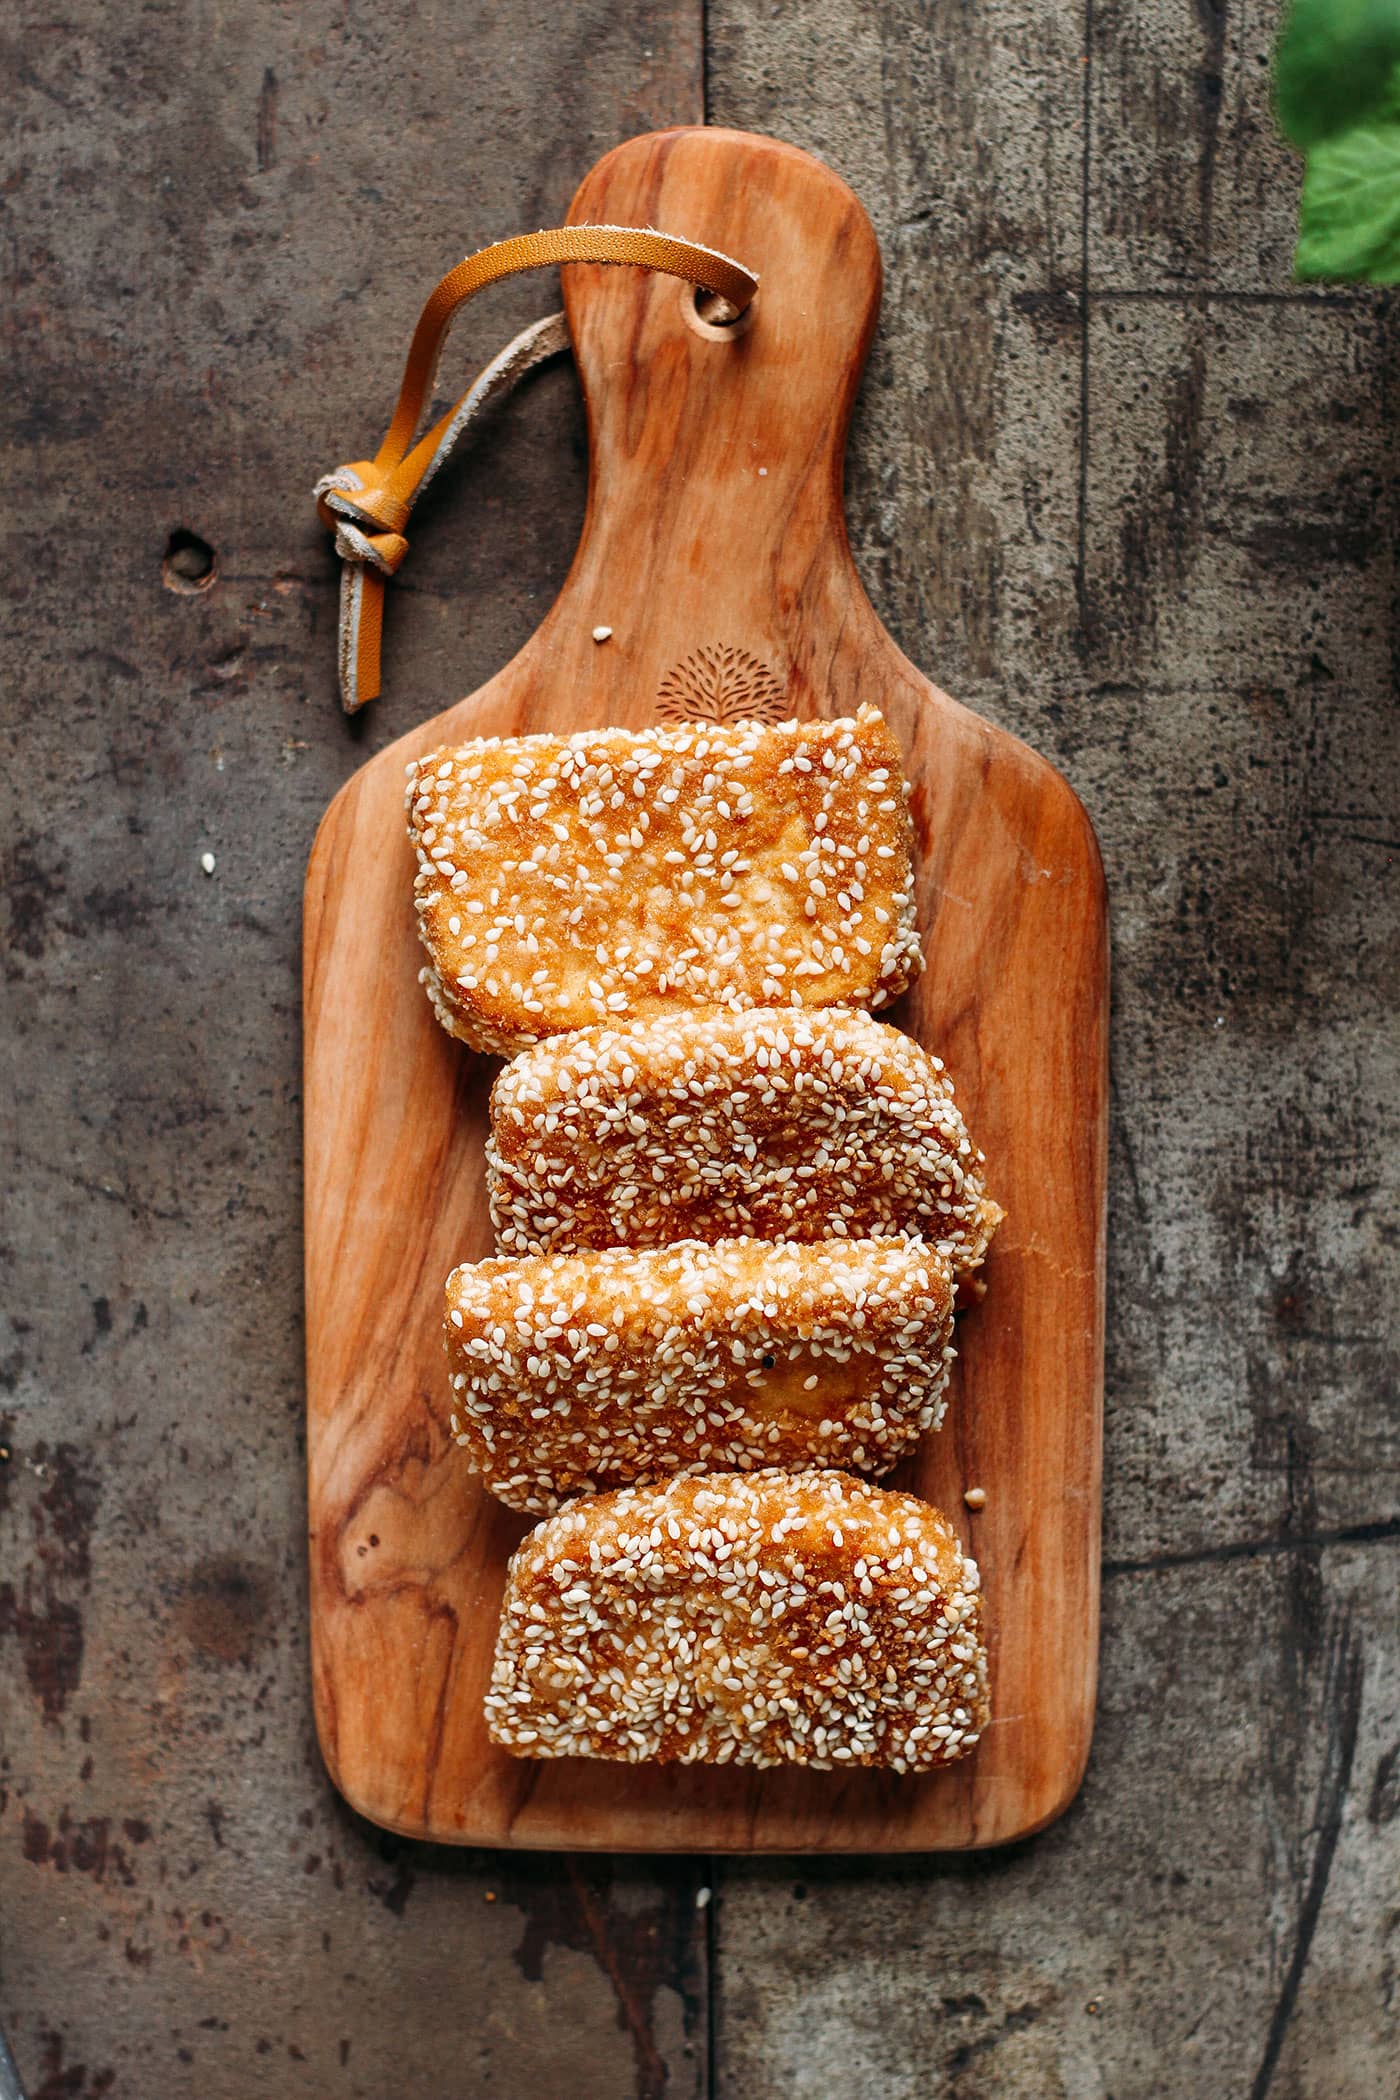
367 503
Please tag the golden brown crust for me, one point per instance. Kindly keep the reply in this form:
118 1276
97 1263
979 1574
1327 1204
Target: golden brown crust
767 1124
572 1373
564 882
755 1619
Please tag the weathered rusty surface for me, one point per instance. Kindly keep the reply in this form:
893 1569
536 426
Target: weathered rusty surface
1114 484
221 228
1124 491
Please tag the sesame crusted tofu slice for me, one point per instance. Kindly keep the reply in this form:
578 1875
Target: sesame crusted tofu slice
571 1373
766 1124
761 1619
566 881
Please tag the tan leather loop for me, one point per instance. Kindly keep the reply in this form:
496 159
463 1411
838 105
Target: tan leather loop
367 503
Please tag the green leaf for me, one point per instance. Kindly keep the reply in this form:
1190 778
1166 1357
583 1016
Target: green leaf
1349 218
1334 63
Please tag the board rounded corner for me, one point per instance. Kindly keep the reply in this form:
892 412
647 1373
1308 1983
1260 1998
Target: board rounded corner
357 1791
1069 1785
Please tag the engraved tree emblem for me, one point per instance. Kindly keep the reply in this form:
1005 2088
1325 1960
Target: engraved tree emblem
720 684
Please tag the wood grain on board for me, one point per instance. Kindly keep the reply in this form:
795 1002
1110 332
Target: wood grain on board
714 533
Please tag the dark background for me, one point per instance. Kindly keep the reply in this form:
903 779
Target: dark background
1117 484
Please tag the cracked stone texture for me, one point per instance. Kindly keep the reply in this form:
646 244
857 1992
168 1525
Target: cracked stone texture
1116 484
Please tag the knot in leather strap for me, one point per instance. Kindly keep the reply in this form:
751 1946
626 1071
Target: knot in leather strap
367 503
364 519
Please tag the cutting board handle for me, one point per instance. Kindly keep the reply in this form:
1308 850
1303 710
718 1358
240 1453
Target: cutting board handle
714 544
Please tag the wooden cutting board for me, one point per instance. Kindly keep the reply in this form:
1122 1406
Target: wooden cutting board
714 547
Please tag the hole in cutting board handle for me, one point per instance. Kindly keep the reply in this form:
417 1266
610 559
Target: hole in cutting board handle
697 305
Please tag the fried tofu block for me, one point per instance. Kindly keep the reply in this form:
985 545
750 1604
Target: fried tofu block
761 1619
571 1373
564 882
767 1124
